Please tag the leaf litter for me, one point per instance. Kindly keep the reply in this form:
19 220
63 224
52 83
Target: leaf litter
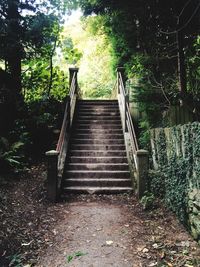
27 220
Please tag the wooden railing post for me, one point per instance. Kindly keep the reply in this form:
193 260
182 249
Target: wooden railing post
122 71
71 74
142 171
52 175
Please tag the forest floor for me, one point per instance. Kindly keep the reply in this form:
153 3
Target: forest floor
86 230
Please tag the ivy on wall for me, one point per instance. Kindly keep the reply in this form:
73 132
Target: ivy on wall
176 175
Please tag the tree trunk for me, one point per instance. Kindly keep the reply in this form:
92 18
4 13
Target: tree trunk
14 52
181 64
51 67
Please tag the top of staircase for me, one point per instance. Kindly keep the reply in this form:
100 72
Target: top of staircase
97 102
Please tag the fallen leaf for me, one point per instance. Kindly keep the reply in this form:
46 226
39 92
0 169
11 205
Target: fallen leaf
109 242
152 264
27 244
162 255
169 264
155 245
145 250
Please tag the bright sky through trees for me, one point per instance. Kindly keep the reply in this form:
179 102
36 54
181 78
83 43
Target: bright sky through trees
92 54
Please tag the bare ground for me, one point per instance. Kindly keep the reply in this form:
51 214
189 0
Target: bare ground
87 230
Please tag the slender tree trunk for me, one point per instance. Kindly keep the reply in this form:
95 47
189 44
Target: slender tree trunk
51 68
181 64
14 53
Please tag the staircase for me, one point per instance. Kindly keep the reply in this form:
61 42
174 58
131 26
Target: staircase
97 161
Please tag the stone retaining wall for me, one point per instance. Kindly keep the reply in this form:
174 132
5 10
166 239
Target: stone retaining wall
176 156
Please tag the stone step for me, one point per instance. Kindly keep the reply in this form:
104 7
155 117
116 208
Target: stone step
98 159
99 109
98 135
95 141
96 174
98 113
97 102
99 131
98 153
98 166
96 190
99 117
116 122
97 182
97 126
97 147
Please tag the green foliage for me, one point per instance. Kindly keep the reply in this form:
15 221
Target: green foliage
16 260
70 53
147 200
11 155
193 62
177 154
43 118
14 148
85 44
75 255
138 36
157 183
36 82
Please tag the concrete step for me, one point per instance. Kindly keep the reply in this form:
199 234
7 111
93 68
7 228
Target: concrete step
99 117
97 147
98 110
97 113
96 174
97 126
98 160
95 141
99 131
116 122
98 166
96 190
97 102
98 136
97 182
98 153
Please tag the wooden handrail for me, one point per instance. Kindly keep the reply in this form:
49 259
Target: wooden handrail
126 115
136 156
67 113
57 157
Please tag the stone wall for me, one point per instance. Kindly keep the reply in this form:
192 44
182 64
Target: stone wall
176 164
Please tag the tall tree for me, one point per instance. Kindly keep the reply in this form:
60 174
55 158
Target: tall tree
26 30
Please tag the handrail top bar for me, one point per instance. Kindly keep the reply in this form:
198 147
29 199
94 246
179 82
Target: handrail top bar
52 153
120 69
74 69
122 83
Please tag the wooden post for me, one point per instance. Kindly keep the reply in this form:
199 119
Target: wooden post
52 175
71 73
123 97
122 71
142 171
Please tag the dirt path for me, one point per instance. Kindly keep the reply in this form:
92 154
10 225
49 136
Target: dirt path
86 230
113 231
100 230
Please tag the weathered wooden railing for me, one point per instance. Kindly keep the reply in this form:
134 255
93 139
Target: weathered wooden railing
56 158
138 158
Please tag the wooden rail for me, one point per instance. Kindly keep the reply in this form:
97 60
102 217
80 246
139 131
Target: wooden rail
56 158
138 158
